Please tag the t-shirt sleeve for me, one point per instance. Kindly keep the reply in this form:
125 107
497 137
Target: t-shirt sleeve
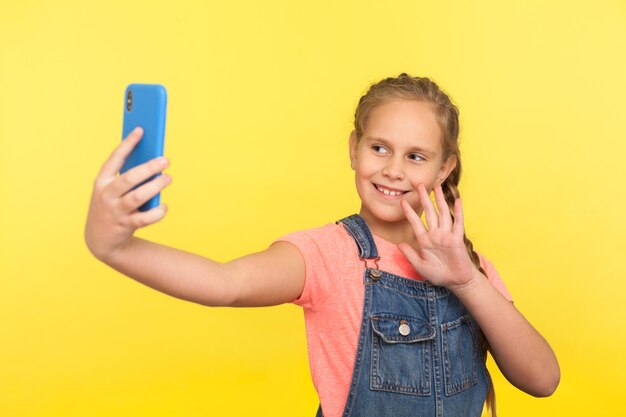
494 277
315 263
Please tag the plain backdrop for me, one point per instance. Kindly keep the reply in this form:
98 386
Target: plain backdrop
261 102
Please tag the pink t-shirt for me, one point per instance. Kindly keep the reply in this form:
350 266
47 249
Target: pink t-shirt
332 300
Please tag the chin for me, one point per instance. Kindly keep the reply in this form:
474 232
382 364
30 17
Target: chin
387 215
390 218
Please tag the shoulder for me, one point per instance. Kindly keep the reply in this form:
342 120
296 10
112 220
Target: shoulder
328 237
327 252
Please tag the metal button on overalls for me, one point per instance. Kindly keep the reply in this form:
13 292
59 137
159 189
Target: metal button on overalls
375 274
404 328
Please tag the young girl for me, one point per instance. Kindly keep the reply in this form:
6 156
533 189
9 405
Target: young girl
399 313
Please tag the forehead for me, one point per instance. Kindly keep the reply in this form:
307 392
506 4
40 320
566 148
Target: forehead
405 123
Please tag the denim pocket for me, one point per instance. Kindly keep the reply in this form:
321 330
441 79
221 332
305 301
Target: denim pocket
401 348
460 345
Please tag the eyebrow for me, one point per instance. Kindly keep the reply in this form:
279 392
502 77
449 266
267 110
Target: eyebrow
386 142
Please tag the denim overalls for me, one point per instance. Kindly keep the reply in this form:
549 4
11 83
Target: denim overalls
419 351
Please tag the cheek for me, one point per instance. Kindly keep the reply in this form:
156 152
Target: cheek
364 170
427 177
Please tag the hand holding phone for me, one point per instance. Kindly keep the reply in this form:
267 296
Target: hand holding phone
113 216
145 106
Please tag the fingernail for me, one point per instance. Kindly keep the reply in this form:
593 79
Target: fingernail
138 129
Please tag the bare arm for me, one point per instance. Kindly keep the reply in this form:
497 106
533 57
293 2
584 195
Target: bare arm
273 276
522 354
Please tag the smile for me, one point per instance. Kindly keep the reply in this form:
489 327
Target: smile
389 192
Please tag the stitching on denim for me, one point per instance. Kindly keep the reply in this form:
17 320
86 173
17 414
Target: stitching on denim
413 292
467 379
359 352
376 380
434 358
393 339
424 288
362 235
399 290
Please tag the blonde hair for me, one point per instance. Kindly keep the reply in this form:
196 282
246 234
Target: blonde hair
406 87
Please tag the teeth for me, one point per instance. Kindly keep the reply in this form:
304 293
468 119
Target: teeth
388 192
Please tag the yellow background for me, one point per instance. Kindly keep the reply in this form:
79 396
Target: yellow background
261 103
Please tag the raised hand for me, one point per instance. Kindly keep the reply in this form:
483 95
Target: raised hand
522 354
441 257
113 211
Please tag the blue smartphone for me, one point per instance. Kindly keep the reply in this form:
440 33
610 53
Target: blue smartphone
145 105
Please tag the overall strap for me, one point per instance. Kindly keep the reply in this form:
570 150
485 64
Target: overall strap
359 230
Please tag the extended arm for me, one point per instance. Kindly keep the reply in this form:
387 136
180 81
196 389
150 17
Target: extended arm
273 276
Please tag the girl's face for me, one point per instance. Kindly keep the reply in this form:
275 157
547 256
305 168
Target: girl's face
400 148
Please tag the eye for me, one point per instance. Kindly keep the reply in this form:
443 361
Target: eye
416 157
379 149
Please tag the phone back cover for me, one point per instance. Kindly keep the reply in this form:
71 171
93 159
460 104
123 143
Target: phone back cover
149 107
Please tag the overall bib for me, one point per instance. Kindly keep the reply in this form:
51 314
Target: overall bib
420 353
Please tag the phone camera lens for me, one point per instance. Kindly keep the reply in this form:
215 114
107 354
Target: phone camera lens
129 100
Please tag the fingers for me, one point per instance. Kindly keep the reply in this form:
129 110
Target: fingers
116 160
142 219
134 199
413 218
445 221
137 175
458 229
427 206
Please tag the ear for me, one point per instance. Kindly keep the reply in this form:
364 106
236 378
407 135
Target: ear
446 168
353 149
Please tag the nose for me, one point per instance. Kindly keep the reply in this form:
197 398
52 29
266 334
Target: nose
393 169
